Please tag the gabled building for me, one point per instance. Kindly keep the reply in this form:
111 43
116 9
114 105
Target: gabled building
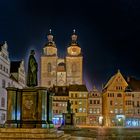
4 80
10 75
94 107
17 73
113 100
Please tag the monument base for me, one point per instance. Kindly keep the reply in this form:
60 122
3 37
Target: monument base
30 134
68 123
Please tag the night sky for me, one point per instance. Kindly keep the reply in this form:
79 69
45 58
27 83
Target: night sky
108 32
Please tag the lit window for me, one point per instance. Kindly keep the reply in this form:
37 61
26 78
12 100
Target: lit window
98 110
80 109
90 110
84 110
116 110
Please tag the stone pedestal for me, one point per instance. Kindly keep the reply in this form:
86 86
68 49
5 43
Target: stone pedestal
28 107
68 119
32 134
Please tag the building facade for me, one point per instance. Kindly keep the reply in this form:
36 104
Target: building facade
113 101
132 103
78 95
7 79
94 108
60 98
61 71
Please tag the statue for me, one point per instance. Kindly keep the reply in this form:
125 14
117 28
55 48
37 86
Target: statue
68 106
32 70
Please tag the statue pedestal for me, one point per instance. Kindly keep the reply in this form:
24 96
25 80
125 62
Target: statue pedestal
68 119
68 122
29 107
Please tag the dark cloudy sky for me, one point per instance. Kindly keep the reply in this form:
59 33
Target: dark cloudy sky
108 32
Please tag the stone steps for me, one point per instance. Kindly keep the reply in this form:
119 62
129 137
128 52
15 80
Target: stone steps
27 134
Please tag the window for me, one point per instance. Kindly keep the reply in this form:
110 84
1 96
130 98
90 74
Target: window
71 94
75 102
98 102
71 102
138 104
2 116
90 110
119 95
111 102
90 101
1 66
98 110
84 109
80 109
121 110
116 110
75 110
76 95
2 102
94 101
49 67
3 83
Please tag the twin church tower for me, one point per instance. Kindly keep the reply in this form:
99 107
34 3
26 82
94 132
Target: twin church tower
61 71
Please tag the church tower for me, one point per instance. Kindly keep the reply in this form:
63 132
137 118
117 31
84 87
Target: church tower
49 63
74 62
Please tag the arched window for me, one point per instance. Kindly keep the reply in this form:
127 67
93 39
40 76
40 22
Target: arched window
49 67
73 67
2 102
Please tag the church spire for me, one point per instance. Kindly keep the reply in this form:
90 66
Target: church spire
74 37
50 36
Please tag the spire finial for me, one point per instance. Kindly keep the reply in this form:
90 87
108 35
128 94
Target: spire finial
50 31
74 31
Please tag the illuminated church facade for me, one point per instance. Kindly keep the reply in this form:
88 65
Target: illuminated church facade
61 71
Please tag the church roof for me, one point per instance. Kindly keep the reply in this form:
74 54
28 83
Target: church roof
78 88
14 66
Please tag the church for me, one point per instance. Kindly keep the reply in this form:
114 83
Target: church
61 71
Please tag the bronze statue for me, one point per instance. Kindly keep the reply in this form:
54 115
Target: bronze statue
32 70
68 106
